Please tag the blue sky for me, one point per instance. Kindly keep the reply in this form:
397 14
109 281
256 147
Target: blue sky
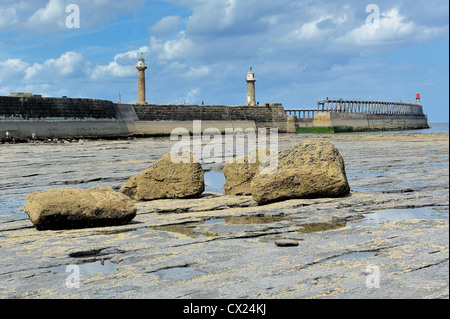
201 50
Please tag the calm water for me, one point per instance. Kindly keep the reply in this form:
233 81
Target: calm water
438 128
214 182
179 273
435 128
394 215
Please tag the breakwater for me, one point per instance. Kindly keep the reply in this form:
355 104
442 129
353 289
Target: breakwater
356 115
91 118
38 108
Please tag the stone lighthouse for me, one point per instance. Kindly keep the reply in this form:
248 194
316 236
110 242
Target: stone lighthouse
141 66
251 101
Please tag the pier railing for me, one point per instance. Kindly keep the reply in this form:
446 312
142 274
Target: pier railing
369 107
357 106
302 113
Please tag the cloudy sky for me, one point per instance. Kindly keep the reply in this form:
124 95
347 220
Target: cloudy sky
200 50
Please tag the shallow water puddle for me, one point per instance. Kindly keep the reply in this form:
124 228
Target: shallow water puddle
181 229
13 208
92 267
317 227
188 229
246 220
214 221
374 218
179 273
243 220
379 217
214 182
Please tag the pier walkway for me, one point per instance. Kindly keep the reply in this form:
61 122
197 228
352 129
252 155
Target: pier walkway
358 106
369 107
302 113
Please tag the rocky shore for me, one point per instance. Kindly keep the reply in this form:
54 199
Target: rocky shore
226 246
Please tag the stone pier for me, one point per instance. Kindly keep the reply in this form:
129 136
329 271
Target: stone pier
89 118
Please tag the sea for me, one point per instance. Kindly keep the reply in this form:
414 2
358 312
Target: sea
434 128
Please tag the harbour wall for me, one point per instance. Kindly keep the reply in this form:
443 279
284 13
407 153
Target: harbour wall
38 108
69 129
268 115
88 118
91 118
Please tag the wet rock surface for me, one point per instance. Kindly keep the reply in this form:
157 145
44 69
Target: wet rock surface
219 246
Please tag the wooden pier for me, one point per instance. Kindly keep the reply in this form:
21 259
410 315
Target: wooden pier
369 107
359 115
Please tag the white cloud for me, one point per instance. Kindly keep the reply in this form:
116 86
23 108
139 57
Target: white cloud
311 30
113 69
130 57
124 65
166 26
394 30
16 65
49 17
12 70
8 17
198 71
54 77
227 18
69 64
178 48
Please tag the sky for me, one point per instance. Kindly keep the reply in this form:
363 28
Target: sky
201 50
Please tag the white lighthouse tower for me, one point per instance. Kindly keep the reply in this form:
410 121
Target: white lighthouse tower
141 66
251 100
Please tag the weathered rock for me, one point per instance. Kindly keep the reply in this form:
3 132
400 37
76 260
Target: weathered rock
71 208
173 176
308 170
240 171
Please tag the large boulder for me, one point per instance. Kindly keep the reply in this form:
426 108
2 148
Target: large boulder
175 175
239 172
308 170
71 208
